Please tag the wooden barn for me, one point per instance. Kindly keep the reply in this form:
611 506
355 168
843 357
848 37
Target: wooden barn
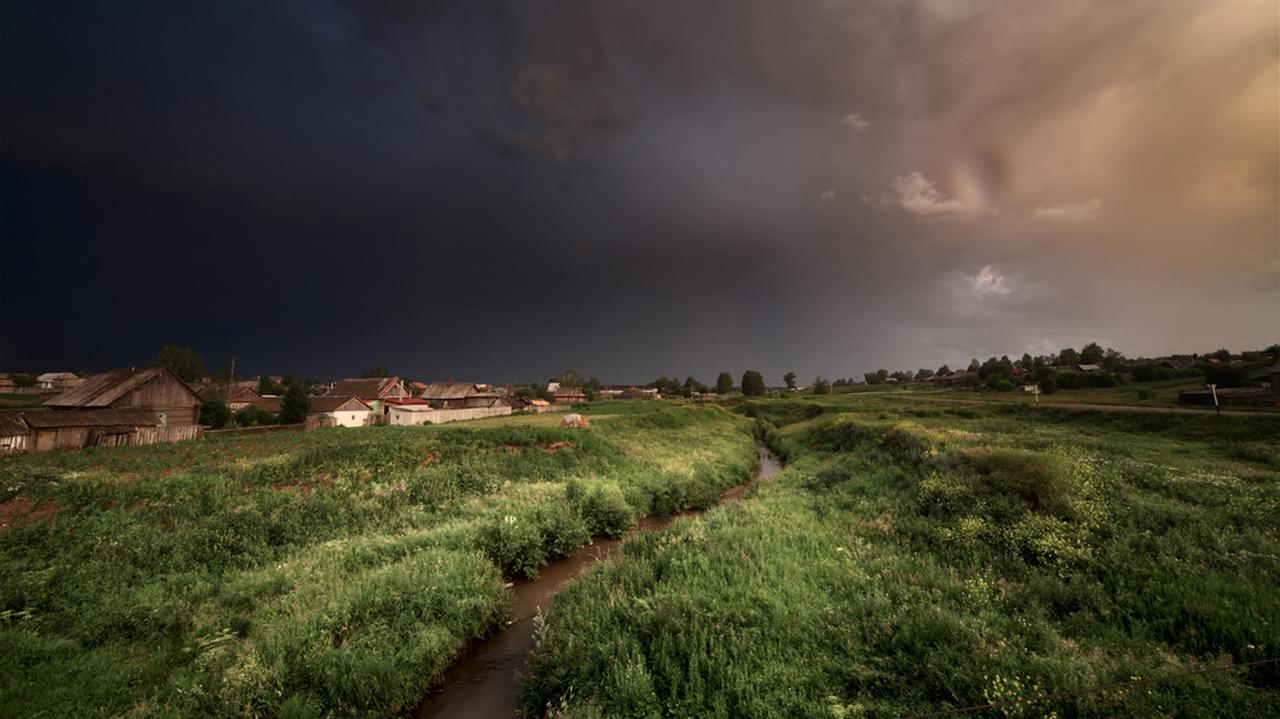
451 395
570 395
74 429
175 407
14 432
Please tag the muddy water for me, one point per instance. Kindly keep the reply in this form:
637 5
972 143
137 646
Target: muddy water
484 680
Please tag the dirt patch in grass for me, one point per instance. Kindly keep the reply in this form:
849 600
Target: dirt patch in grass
431 458
22 511
554 447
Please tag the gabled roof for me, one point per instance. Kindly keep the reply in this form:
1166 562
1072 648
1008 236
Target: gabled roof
366 389
56 376
570 392
449 390
102 389
131 417
333 403
1088 367
1274 368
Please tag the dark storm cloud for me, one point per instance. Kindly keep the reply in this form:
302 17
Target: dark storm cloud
500 190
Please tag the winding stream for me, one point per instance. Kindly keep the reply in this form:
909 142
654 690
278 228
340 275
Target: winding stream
484 680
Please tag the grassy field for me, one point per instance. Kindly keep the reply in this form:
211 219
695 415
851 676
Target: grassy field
335 572
919 557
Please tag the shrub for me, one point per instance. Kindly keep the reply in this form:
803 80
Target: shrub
515 544
1225 375
1145 393
1070 380
214 413
606 511
1151 373
1031 477
1101 379
563 529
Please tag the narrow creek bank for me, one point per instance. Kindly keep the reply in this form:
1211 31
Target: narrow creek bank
484 680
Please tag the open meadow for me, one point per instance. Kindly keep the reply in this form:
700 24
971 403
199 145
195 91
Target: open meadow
920 557
329 573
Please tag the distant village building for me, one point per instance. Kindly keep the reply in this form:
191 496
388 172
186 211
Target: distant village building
1177 363
953 379
237 397
1089 368
335 411
570 395
58 381
639 393
457 395
372 392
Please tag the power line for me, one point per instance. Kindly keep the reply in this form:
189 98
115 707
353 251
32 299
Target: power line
1069 693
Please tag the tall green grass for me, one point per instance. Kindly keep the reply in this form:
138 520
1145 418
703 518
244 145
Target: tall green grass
332 573
911 560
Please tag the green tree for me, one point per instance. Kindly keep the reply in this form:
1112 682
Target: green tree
923 374
821 386
1091 353
267 386
789 379
724 383
1027 363
23 379
944 370
974 365
295 405
1222 355
752 383
1068 356
214 413
569 378
376 373
182 361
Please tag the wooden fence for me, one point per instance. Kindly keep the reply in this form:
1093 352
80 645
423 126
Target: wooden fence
261 429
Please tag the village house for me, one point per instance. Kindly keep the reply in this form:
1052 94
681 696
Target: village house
57 381
336 411
639 393
457 395
570 395
238 396
1177 363
372 392
954 378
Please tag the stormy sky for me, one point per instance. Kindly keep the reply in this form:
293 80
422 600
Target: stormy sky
499 191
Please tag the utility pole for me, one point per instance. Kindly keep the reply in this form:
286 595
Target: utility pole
233 370
1214 389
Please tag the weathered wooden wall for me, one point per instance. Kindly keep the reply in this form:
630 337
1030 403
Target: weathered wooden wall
401 416
165 394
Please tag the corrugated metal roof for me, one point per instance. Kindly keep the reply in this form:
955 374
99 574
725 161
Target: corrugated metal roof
92 418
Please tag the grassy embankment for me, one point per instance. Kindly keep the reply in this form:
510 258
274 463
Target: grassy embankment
334 572
917 557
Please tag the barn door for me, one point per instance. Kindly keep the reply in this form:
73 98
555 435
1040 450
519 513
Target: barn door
45 439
